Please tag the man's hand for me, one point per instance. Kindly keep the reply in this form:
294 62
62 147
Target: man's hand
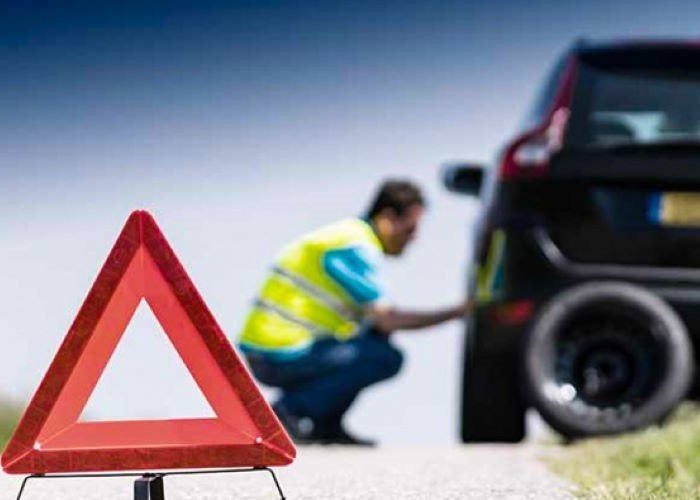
465 308
388 319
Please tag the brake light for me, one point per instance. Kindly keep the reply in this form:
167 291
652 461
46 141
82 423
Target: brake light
529 155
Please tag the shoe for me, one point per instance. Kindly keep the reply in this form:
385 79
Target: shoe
303 430
300 429
339 436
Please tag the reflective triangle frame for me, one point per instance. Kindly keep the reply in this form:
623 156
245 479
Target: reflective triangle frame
50 438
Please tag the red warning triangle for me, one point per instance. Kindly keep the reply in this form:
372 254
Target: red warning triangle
49 437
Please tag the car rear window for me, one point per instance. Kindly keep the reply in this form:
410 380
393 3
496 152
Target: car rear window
636 97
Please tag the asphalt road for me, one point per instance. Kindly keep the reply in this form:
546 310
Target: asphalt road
466 472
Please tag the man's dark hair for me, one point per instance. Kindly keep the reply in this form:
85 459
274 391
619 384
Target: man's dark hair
397 194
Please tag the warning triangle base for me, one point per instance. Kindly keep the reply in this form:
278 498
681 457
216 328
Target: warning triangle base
151 486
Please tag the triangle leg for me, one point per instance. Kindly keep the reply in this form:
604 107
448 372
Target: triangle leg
277 483
149 487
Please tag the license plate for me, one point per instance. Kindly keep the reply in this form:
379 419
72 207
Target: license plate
680 209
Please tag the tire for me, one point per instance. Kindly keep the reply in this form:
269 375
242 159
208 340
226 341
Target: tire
493 409
606 357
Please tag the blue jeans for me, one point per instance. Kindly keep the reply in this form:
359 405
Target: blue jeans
323 383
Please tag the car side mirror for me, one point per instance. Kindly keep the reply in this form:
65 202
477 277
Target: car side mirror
463 178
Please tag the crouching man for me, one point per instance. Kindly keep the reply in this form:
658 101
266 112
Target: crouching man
319 329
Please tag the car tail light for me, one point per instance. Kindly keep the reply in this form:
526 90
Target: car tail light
529 154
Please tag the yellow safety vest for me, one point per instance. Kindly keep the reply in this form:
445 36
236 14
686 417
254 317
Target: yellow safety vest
299 301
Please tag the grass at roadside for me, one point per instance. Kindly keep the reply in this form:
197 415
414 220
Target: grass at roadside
9 414
657 463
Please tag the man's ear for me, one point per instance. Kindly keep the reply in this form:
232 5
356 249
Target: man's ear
384 221
388 213
382 227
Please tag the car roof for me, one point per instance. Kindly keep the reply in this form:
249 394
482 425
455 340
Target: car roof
640 53
585 46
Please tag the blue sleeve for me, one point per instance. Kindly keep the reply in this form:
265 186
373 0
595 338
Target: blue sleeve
356 270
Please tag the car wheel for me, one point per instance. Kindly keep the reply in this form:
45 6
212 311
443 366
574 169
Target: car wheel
493 409
606 357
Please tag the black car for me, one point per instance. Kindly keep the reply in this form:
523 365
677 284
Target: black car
586 267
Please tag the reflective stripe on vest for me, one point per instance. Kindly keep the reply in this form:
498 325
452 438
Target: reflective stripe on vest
330 301
315 331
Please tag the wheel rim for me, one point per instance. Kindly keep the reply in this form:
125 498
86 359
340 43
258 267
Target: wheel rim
607 364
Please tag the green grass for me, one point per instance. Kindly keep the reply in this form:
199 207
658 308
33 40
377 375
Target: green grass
657 463
9 414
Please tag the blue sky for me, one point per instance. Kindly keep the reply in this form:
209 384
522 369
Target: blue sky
242 124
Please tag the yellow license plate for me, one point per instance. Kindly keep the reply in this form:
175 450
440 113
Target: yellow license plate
680 209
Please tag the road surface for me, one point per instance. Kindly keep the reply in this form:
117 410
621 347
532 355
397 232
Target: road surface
408 473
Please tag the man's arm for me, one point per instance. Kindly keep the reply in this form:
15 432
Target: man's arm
388 319
355 269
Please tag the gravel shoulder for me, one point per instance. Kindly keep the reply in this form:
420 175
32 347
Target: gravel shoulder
459 472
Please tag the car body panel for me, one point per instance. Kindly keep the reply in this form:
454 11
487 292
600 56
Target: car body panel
613 212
